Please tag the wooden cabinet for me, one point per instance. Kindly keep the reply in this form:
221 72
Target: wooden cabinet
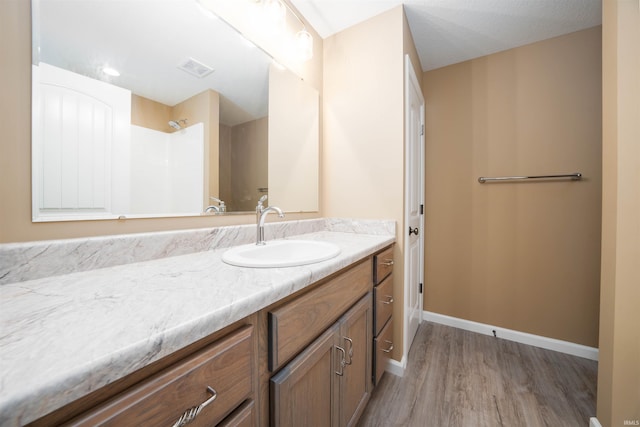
204 387
383 311
302 393
383 346
294 325
329 382
306 360
244 416
355 383
382 265
383 297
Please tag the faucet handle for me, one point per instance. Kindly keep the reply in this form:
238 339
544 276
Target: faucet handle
221 205
261 201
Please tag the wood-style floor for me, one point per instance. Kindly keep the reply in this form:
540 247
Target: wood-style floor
458 378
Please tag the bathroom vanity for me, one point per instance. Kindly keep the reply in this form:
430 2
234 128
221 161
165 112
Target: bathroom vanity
218 344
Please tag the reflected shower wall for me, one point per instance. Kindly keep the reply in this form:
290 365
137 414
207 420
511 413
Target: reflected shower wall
167 170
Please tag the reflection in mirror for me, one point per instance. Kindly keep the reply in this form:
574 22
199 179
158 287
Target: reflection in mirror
294 126
177 124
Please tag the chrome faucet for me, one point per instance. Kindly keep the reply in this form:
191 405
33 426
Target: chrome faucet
261 214
221 208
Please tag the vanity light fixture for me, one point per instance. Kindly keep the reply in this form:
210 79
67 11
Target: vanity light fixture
276 12
304 44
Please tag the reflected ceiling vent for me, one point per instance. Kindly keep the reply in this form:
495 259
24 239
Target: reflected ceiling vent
195 68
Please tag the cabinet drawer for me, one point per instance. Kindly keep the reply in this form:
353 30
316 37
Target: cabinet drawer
296 324
226 366
383 296
383 346
383 265
244 416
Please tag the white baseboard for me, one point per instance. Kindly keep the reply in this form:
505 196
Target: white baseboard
593 422
511 335
396 368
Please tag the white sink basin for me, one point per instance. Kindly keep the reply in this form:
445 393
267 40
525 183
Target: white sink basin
280 253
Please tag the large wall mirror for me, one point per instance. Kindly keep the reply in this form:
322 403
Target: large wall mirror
159 108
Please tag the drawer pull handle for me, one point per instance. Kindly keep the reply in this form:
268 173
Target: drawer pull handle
350 352
342 361
387 262
191 413
389 300
390 347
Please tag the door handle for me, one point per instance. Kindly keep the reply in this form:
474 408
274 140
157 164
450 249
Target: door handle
350 352
388 301
388 350
342 361
191 413
413 231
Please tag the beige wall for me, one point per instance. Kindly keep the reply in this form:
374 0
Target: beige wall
225 162
619 364
150 114
523 256
15 150
249 160
363 130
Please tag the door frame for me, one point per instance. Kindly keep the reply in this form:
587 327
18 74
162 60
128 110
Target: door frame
411 81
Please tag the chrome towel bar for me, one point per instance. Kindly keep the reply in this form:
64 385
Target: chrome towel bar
573 176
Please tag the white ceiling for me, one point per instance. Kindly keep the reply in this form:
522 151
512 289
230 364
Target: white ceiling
146 40
451 31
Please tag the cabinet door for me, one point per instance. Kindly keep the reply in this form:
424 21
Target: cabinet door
303 393
355 338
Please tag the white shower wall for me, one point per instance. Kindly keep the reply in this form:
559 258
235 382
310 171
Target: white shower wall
167 171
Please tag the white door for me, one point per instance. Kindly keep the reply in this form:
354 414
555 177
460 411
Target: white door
81 133
414 199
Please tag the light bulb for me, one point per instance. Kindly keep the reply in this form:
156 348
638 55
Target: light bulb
304 45
275 12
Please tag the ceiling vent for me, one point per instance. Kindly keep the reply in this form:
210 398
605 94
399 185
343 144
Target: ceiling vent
195 68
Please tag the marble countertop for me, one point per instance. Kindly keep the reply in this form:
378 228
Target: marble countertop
65 336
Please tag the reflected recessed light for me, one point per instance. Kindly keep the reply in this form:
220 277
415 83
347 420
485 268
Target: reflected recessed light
111 71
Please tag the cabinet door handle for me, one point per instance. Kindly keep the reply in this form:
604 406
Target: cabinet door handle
389 299
191 413
350 352
413 231
390 346
342 362
387 262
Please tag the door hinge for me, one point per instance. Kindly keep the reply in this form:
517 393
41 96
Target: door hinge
420 287
421 209
422 130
